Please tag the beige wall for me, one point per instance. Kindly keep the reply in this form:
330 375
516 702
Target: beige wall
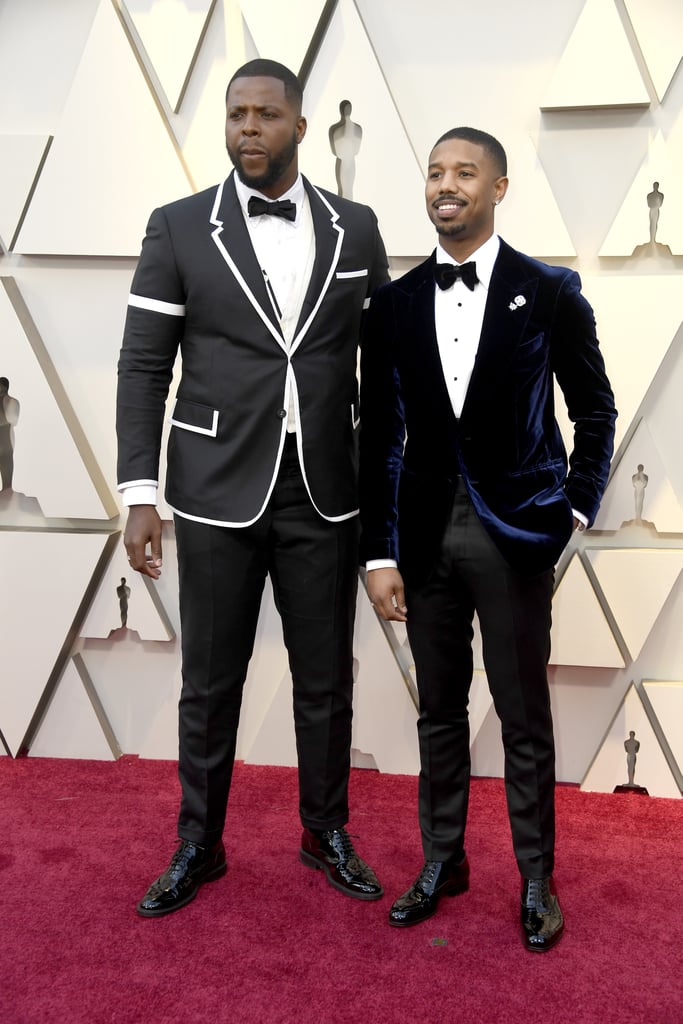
109 109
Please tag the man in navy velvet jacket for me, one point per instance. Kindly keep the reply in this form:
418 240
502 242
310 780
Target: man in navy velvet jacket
467 500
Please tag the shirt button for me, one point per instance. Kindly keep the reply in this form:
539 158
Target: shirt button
281 414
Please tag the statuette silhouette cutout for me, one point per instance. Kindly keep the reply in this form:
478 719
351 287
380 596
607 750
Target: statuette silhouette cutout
654 203
9 417
123 593
345 141
652 248
631 746
639 481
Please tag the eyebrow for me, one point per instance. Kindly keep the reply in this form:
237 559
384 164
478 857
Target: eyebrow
460 163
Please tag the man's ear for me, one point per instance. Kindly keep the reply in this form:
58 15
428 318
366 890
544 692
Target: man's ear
500 187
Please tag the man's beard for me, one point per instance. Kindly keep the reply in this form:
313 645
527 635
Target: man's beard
274 171
449 230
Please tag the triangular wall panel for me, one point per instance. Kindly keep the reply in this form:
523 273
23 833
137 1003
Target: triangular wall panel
199 126
589 75
124 600
580 633
346 69
666 699
139 700
638 319
21 158
71 727
54 469
609 768
111 162
636 583
545 234
36 614
660 506
171 32
658 24
283 39
630 232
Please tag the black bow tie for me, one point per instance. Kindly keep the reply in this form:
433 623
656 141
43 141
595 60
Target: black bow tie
446 274
280 208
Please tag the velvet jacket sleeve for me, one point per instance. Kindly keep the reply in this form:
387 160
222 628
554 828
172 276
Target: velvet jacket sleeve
579 368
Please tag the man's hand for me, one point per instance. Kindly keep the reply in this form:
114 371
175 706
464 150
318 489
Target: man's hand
386 592
143 528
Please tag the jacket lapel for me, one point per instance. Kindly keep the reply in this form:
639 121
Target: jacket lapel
231 237
509 306
329 235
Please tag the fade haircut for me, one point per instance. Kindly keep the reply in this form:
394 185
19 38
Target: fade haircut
262 68
491 146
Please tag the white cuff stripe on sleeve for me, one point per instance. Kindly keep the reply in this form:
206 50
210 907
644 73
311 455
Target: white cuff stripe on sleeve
156 305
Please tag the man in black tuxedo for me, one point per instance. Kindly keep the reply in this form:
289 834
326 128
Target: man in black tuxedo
465 496
260 283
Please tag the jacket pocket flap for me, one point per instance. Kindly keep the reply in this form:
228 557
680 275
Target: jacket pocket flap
201 419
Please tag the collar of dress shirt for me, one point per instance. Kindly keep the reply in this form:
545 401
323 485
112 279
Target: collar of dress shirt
296 193
484 257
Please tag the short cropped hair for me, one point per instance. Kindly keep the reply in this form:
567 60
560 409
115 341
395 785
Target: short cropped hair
262 68
487 142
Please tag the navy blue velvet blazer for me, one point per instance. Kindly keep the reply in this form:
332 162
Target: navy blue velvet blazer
506 444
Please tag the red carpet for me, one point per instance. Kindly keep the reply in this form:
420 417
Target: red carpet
273 943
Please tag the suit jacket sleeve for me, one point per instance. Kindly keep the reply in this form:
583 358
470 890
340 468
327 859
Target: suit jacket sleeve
580 371
153 331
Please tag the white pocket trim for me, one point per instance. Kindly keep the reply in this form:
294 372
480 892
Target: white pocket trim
342 274
209 431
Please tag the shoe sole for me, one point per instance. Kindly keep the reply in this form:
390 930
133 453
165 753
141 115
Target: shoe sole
218 872
312 862
456 890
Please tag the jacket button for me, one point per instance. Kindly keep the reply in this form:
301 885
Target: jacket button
281 414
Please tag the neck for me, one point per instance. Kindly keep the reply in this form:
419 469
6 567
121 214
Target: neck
460 249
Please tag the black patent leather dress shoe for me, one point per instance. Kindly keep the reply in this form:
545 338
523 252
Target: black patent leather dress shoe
438 878
190 867
333 853
542 920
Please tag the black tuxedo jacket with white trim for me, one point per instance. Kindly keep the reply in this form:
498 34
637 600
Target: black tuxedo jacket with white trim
198 288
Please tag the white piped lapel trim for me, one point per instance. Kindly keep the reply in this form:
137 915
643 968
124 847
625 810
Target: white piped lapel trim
218 224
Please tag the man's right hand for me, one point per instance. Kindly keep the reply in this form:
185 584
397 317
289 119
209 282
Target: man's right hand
143 528
387 594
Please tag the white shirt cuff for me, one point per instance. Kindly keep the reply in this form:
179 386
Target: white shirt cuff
381 563
582 519
139 494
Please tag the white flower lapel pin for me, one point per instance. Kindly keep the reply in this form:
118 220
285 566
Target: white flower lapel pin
518 301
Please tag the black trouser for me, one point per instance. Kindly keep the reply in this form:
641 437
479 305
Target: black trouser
313 566
514 617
